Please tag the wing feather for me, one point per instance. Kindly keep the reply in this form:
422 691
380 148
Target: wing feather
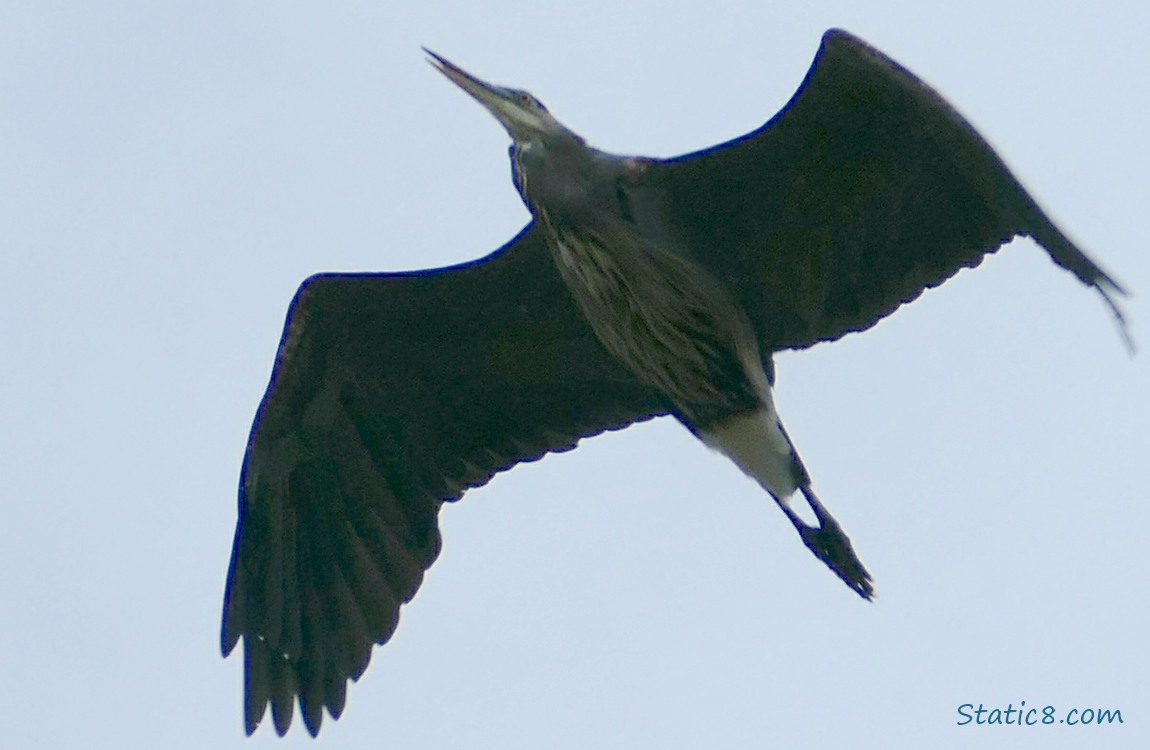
865 190
392 394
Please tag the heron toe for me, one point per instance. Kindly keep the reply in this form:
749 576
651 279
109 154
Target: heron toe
833 547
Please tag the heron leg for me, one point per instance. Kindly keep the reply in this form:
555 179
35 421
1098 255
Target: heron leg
830 544
759 445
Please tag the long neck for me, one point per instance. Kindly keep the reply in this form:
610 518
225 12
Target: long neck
562 180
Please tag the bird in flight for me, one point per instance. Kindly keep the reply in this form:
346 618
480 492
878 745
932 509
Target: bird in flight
640 288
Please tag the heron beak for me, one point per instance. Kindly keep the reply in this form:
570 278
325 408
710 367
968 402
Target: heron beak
502 103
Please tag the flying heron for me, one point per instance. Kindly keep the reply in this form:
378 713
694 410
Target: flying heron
640 288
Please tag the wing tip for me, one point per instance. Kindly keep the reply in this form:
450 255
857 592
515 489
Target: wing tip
1108 289
1067 255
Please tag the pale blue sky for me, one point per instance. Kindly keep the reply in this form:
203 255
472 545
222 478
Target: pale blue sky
172 171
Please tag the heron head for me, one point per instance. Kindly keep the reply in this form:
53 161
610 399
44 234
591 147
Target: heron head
524 116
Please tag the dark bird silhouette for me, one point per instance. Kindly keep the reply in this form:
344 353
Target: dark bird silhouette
641 287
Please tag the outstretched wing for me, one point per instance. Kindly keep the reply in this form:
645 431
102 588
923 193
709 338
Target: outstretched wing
865 190
391 394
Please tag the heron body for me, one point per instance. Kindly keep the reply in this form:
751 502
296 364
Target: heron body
664 316
641 288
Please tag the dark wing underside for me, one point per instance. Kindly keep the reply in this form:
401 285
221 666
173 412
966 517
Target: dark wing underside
866 189
390 395
394 393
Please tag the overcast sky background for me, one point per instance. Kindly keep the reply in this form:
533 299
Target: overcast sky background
171 171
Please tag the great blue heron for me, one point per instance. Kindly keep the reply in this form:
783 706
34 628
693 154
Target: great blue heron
641 287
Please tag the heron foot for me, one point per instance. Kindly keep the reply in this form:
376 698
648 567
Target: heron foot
830 544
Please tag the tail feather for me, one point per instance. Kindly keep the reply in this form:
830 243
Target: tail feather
755 441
